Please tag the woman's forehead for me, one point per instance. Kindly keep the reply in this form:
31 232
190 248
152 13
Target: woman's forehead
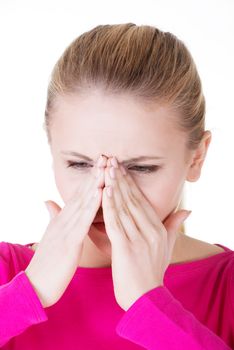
117 122
105 110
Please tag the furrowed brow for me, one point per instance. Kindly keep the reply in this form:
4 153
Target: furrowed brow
134 159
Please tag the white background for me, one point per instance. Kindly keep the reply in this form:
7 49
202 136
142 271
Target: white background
33 35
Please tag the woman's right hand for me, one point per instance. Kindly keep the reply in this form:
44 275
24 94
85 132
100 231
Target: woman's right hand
59 251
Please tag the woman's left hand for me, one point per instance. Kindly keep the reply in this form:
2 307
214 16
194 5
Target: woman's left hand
141 245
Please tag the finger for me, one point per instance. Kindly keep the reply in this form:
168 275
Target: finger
80 222
137 221
86 187
173 223
130 190
113 225
53 208
83 192
98 170
121 208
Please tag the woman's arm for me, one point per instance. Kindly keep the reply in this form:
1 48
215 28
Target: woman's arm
19 306
159 321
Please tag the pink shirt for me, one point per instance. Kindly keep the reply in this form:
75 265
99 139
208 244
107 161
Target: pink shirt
194 309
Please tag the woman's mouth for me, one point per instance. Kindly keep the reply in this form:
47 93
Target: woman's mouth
100 226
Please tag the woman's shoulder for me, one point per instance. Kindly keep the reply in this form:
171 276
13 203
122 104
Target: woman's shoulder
192 249
7 248
14 257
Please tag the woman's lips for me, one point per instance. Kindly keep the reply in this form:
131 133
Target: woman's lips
100 226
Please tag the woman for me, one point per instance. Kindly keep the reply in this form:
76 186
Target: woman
124 118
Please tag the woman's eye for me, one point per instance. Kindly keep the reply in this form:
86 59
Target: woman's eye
138 168
79 165
145 169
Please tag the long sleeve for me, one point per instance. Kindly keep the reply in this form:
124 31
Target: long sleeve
19 307
159 321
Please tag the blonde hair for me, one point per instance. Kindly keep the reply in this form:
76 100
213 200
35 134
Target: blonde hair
150 64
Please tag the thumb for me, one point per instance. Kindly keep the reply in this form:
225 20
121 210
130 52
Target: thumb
53 208
172 224
174 221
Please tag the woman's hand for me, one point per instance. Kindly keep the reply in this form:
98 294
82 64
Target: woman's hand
59 251
141 244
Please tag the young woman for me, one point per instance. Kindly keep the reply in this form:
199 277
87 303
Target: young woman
125 119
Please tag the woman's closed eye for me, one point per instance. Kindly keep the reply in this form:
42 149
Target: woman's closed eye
76 165
138 168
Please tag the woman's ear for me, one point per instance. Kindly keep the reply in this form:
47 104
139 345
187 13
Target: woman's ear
197 160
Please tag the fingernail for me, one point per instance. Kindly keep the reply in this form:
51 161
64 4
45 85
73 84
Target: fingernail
100 161
114 162
112 173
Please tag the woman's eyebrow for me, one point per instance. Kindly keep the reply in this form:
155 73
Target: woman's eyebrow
135 159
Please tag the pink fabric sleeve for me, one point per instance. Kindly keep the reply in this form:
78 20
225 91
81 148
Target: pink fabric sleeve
232 292
159 321
19 306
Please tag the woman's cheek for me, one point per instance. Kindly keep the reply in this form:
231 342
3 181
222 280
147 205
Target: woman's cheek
162 196
67 183
150 190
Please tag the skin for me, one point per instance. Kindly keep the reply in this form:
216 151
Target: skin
141 244
97 123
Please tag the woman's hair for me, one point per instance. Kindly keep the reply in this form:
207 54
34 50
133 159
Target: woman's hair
147 63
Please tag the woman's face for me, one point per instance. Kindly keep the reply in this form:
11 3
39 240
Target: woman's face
97 123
